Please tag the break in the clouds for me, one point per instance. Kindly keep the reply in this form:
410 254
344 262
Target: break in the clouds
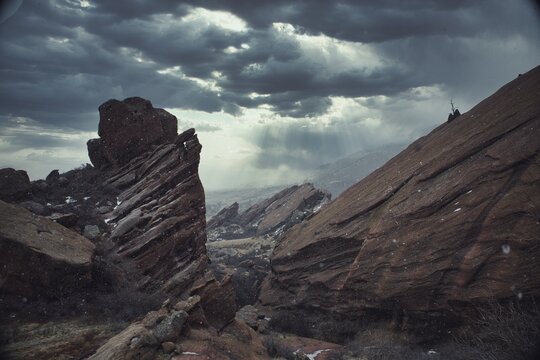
274 88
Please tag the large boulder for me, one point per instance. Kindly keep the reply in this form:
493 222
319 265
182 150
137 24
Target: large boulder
130 128
40 257
14 184
449 222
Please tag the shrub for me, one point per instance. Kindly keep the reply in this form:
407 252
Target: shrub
503 331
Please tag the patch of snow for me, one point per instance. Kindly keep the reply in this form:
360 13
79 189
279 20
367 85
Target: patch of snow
118 202
70 200
48 204
506 249
314 355
431 352
458 209
190 353
468 192
86 198
267 318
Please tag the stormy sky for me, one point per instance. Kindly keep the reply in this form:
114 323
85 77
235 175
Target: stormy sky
274 88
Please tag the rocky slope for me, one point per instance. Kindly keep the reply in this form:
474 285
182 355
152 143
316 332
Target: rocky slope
143 207
452 220
273 215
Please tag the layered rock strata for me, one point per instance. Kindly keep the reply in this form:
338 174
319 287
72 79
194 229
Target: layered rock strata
271 216
452 220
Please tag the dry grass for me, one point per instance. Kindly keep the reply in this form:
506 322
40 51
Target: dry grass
503 331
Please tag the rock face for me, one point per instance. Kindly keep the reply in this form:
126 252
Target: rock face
129 128
158 223
14 184
39 257
451 220
272 215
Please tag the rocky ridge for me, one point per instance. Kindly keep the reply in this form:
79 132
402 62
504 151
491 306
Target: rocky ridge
449 222
273 215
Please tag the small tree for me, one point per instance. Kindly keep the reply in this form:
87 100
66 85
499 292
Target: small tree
454 113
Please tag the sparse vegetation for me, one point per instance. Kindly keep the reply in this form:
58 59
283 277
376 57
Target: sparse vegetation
503 331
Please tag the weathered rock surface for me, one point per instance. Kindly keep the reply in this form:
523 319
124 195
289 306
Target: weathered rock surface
147 126
451 220
14 184
91 232
39 256
68 220
272 215
33 207
174 331
158 223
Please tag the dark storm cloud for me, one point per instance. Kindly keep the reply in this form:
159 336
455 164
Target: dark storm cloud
376 21
61 59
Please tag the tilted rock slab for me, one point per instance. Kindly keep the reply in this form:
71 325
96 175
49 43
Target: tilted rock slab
452 219
159 221
40 257
272 215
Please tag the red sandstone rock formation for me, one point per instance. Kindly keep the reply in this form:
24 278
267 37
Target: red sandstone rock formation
14 184
129 128
451 220
158 223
